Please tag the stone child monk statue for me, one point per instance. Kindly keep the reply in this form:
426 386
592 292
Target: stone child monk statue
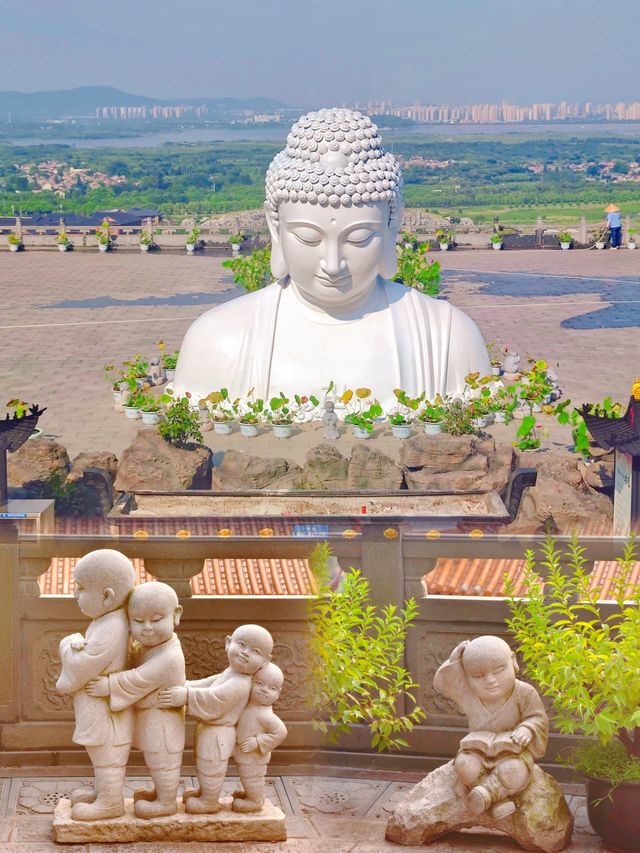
334 207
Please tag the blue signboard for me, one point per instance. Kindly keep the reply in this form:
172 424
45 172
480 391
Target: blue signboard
310 529
13 515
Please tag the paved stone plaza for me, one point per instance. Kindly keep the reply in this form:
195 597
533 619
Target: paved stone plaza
343 814
64 316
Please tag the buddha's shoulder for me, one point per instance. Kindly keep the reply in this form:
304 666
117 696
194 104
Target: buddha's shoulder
230 316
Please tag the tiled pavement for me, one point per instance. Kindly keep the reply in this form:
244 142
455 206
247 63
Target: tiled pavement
63 316
345 815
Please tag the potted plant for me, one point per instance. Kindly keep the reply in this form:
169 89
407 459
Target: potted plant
136 371
631 241
405 411
180 425
103 235
587 663
146 241
444 238
360 418
250 413
526 437
15 243
280 416
118 385
496 241
133 404
564 238
408 240
415 270
222 413
502 404
457 418
236 242
253 271
496 354
149 409
431 415
204 414
535 387
192 240
169 362
64 244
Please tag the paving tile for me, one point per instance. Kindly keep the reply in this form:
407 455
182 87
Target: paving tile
320 795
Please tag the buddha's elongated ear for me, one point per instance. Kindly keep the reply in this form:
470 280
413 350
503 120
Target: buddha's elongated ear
389 262
278 266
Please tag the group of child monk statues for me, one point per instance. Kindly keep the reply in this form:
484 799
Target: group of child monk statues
127 679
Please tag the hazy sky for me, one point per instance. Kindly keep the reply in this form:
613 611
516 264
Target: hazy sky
323 52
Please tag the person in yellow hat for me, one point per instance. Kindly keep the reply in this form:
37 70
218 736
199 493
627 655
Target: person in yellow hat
614 223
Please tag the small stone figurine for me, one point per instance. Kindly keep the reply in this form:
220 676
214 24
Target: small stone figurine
511 365
493 781
259 731
104 580
217 703
330 421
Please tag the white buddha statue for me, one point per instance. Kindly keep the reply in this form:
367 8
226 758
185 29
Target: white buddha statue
334 207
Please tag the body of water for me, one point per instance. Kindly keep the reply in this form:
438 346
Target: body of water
278 134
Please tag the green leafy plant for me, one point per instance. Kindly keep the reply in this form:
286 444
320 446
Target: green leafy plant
13 239
193 237
407 407
19 407
221 406
280 412
359 416
586 663
181 424
457 418
252 271
73 498
146 238
408 239
169 360
564 237
236 239
63 238
526 436
136 400
103 233
357 653
497 239
148 403
248 410
414 270
444 237
433 411
496 353
579 432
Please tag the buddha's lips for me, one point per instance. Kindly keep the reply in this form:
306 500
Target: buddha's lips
334 282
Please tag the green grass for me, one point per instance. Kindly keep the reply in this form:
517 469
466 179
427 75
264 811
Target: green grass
561 215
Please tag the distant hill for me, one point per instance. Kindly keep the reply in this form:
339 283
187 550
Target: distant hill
85 99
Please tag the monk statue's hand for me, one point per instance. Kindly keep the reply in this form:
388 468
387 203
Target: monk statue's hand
456 654
172 697
98 687
249 745
522 736
76 641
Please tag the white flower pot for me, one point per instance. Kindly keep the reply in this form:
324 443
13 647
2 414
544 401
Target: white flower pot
103 247
222 427
631 245
63 247
191 247
444 247
565 246
479 423
496 370
132 413
496 246
401 430
144 247
235 248
408 245
600 244
281 430
170 374
432 427
358 432
150 418
500 417
14 247
250 430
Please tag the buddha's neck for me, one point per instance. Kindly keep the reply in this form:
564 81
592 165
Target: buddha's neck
373 300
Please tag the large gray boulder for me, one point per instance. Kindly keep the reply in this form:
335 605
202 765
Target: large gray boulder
370 469
239 472
325 468
103 460
35 463
152 463
557 507
436 806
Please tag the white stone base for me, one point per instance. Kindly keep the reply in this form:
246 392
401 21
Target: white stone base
265 825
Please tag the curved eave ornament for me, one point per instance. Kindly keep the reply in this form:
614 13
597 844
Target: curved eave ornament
15 431
616 433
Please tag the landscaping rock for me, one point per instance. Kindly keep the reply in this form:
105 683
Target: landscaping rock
370 469
325 468
35 462
542 821
559 464
555 506
101 459
448 481
439 453
600 473
152 463
241 471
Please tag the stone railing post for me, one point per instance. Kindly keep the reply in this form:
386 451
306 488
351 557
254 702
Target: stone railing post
627 227
583 234
9 624
30 570
382 563
539 233
176 573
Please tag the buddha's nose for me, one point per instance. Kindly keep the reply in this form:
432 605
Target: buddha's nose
332 264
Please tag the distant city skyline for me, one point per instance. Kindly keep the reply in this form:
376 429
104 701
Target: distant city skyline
405 51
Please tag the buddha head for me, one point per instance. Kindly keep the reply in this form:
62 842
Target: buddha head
334 207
